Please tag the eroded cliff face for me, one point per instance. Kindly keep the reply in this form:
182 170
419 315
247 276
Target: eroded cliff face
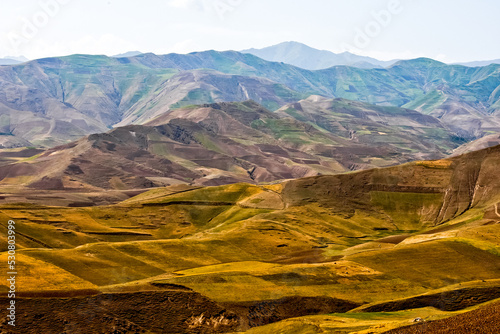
475 183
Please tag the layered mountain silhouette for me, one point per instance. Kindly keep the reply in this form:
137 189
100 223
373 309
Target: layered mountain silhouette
480 63
238 142
56 100
127 54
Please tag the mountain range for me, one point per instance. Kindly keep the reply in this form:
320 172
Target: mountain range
127 54
13 60
301 55
224 143
55 100
219 192
480 63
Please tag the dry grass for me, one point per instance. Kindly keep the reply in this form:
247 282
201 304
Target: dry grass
37 275
444 164
242 243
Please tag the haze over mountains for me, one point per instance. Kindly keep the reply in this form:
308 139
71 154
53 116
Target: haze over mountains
480 63
303 56
55 100
127 54
13 60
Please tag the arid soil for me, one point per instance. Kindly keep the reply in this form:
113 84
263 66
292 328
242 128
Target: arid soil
484 320
179 310
447 301
142 312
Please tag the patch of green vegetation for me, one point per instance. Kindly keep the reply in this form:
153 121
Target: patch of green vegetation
406 208
4 123
483 245
368 315
39 274
208 143
233 217
196 96
296 114
271 105
291 131
100 264
428 102
31 158
201 216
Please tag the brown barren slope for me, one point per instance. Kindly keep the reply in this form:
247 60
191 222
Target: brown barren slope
484 320
224 143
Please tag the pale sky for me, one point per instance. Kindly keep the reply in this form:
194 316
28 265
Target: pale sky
446 30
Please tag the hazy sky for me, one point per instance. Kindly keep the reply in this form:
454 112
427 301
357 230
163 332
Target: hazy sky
447 30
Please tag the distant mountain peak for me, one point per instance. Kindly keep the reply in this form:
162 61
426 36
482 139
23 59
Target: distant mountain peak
304 56
422 61
13 60
316 98
128 54
480 63
18 58
297 45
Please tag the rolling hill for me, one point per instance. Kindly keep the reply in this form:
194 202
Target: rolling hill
371 250
479 144
373 125
225 143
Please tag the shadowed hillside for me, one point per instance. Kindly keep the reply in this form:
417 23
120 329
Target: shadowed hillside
235 142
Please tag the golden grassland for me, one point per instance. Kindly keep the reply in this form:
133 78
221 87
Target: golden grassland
247 243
